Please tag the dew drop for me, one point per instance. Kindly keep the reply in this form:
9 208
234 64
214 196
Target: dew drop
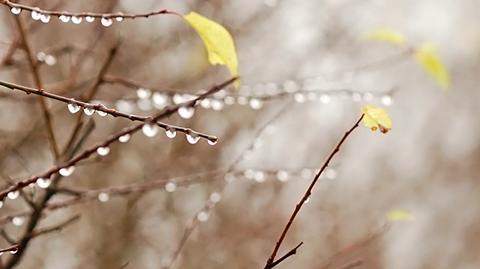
103 197
306 201
106 21
299 98
101 113
13 195
217 105
14 251
124 138
119 19
89 19
103 151
215 197
186 112
143 93
45 18
170 133
192 138
170 186
64 18
229 100
88 111
242 100
387 100
212 141
73 108
249 174
144 104
202 216
124 106
18 221
76 20
331 173
256 103
205 103
282 176
15 10
66 171
259 176
149 130
159 100
36 15
50 60
43 182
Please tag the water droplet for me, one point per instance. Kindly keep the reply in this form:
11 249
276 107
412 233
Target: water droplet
64 18
14 251
73 108
45 18
43 182
299 98
88 111
103 197
205 103
106 21
202 216
387 100
101 113
324 98
159 100
217 105
13 195
170 186
36 15
15 10
249 174
177 99
330 173
89 19
124 138
186 112
50 60
18 221
256 103
170 132
192 138
212 141
259 176
215 197
119 19
229 100
242 100
103 151
66 171
306 201
282 176
76 20
150 130
143 93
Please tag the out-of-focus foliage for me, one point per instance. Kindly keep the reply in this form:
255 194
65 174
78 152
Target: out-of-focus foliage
387 35
433 65
395 215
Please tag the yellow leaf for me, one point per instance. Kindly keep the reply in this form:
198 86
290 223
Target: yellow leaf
433 65
217 40
388 36
400 215
376 118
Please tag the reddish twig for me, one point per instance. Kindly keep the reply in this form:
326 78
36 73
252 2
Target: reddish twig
298 207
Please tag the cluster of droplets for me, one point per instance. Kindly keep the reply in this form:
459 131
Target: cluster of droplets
151 130
48 59
45 17
73 107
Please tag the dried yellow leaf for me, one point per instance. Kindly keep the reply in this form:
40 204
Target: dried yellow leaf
400 215
376 118
387 35
217 40
430 61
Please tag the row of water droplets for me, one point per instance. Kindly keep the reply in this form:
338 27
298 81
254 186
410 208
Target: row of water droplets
39 15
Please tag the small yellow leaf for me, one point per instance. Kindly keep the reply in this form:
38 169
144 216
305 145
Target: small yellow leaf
217 40
376 118
400 215
433 65
388 36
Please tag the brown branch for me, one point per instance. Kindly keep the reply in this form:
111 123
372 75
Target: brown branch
288 254
111 139
307 194
54 228
13 248
39 85
117 16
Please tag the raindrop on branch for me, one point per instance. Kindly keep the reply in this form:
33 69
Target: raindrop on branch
150 130
103 151
215 197
89 19
282 176
192 138
143 93
202 216
103 197
256 103
66 171
18 221
76 20
124 138
106 21
101 113
387 100
13 195
64 18
170 186
36 15
88 111
212 141
45 18
73 108
170 133
43 183
15 10
186 112
119 18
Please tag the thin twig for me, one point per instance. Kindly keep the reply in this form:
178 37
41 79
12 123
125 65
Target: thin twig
271 259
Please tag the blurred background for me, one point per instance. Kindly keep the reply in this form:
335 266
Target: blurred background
306 69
